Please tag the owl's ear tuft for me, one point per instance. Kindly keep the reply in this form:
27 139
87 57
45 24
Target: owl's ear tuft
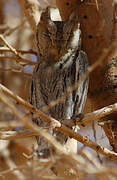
45 15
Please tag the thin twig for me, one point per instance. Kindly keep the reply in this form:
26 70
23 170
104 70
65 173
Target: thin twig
11 170
8 125
11 164
99 113
17 59
16 71
12 135
30 51
13 50
11 30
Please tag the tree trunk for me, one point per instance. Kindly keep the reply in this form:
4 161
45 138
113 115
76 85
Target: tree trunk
98 25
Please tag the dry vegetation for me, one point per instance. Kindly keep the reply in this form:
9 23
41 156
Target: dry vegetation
18 158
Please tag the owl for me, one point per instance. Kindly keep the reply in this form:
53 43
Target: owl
60 65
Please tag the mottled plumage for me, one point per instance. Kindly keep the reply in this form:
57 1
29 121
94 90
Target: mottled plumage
61 63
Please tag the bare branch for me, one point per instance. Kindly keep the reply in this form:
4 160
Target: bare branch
30 51
85 140
11 170
11 164
100 113
31 9
12 135
13 50
17 59
11 30
8 125
16 71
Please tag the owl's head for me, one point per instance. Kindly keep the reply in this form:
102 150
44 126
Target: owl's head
56 38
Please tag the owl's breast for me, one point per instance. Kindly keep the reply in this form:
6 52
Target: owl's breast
54 83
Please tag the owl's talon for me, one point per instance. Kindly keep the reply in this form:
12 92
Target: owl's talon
78 118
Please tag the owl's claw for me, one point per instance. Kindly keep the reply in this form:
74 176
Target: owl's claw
78 118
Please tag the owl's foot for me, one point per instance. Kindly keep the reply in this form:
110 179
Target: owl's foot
45 153
78 118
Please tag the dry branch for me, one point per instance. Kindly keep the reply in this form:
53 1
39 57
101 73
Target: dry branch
86 141
12 30
17 59
16 71
31 9
12 135
30 51
13 50
11 170
8 125
11 164
100 113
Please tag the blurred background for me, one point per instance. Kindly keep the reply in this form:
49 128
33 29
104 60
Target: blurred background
16 76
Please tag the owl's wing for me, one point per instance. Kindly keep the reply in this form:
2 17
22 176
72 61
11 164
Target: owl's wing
81 92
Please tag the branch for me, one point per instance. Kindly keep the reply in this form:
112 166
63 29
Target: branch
11 30
12 166
50 139
12 135
31 9
30 51
16 71
8 125
17 59
13 50
99 113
